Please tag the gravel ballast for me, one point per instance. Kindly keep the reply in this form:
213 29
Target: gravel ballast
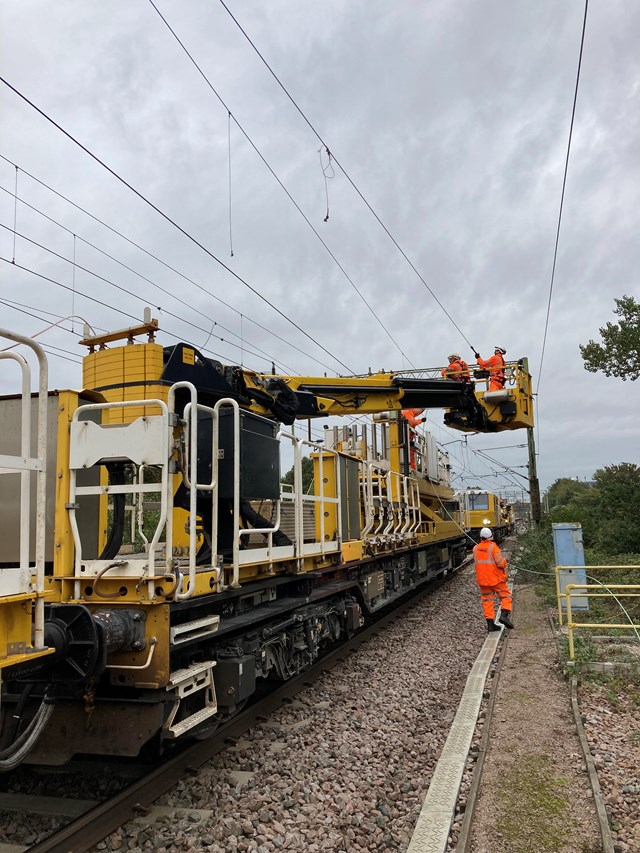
346 766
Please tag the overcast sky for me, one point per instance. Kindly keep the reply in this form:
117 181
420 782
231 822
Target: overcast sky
451 119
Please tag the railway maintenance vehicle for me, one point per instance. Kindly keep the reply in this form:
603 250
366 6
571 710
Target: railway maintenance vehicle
155 573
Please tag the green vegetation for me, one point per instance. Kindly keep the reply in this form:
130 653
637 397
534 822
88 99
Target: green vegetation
609 512
534 811
307 475
622 691
619 353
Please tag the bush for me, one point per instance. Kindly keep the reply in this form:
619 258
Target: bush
534 557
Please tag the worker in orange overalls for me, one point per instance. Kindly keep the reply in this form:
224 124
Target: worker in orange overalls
495 366
457 369
412 416
491 574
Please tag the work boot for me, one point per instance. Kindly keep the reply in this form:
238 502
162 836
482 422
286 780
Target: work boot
505 618
491 626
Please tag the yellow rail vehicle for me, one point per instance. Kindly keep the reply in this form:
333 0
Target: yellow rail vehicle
158 571
484 509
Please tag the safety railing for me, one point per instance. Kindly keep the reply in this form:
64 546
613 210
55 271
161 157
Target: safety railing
298 497
190 476
24 464
613 591
391 505
145 441
560 595
572 626
482 381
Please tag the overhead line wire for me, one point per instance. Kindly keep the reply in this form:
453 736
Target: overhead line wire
14 306
171 221
12 302
94 299
506 467
274 174
122 289
160 261
342 169
140 275
564 183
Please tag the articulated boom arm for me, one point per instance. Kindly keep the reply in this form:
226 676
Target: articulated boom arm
365 395
469 406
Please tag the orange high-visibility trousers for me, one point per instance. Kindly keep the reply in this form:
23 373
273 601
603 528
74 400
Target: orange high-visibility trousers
487 594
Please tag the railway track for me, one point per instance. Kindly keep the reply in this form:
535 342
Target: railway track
93 821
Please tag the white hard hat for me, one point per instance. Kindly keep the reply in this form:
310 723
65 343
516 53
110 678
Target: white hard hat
453 355
485 533
500 349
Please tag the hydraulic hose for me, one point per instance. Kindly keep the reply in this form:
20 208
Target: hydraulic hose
116 533
14 755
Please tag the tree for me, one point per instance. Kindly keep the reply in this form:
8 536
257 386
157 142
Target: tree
564 490
609 512
619 354
307 475
619 521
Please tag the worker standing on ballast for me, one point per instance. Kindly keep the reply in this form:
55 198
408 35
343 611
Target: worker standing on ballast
495 366
457 370
491 575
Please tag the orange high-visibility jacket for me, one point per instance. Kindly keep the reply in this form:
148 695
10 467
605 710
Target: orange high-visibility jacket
490 564
413 416
458 370
495 366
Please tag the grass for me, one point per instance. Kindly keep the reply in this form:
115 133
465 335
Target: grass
622 690
534 811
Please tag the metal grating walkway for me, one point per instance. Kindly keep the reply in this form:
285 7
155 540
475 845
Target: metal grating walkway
436 816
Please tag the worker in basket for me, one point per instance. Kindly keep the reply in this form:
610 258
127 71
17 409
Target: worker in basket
495 366
457 369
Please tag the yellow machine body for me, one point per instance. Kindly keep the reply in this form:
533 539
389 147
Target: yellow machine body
168 604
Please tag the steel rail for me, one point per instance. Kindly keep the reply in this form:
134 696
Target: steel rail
99 822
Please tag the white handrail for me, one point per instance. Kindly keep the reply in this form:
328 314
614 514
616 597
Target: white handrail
165 486
41 477
25 477
337 500
299 497
192 433
227 401
367 498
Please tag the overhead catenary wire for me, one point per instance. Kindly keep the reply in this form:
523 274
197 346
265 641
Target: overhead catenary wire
343 170
50 348
12 302
124 290
279 181
172 222
159 260
154 284
107 281
564 184
48 327
230 211
97 301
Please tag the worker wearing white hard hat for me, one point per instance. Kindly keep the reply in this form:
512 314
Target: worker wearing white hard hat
495 366
458 370
491 575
